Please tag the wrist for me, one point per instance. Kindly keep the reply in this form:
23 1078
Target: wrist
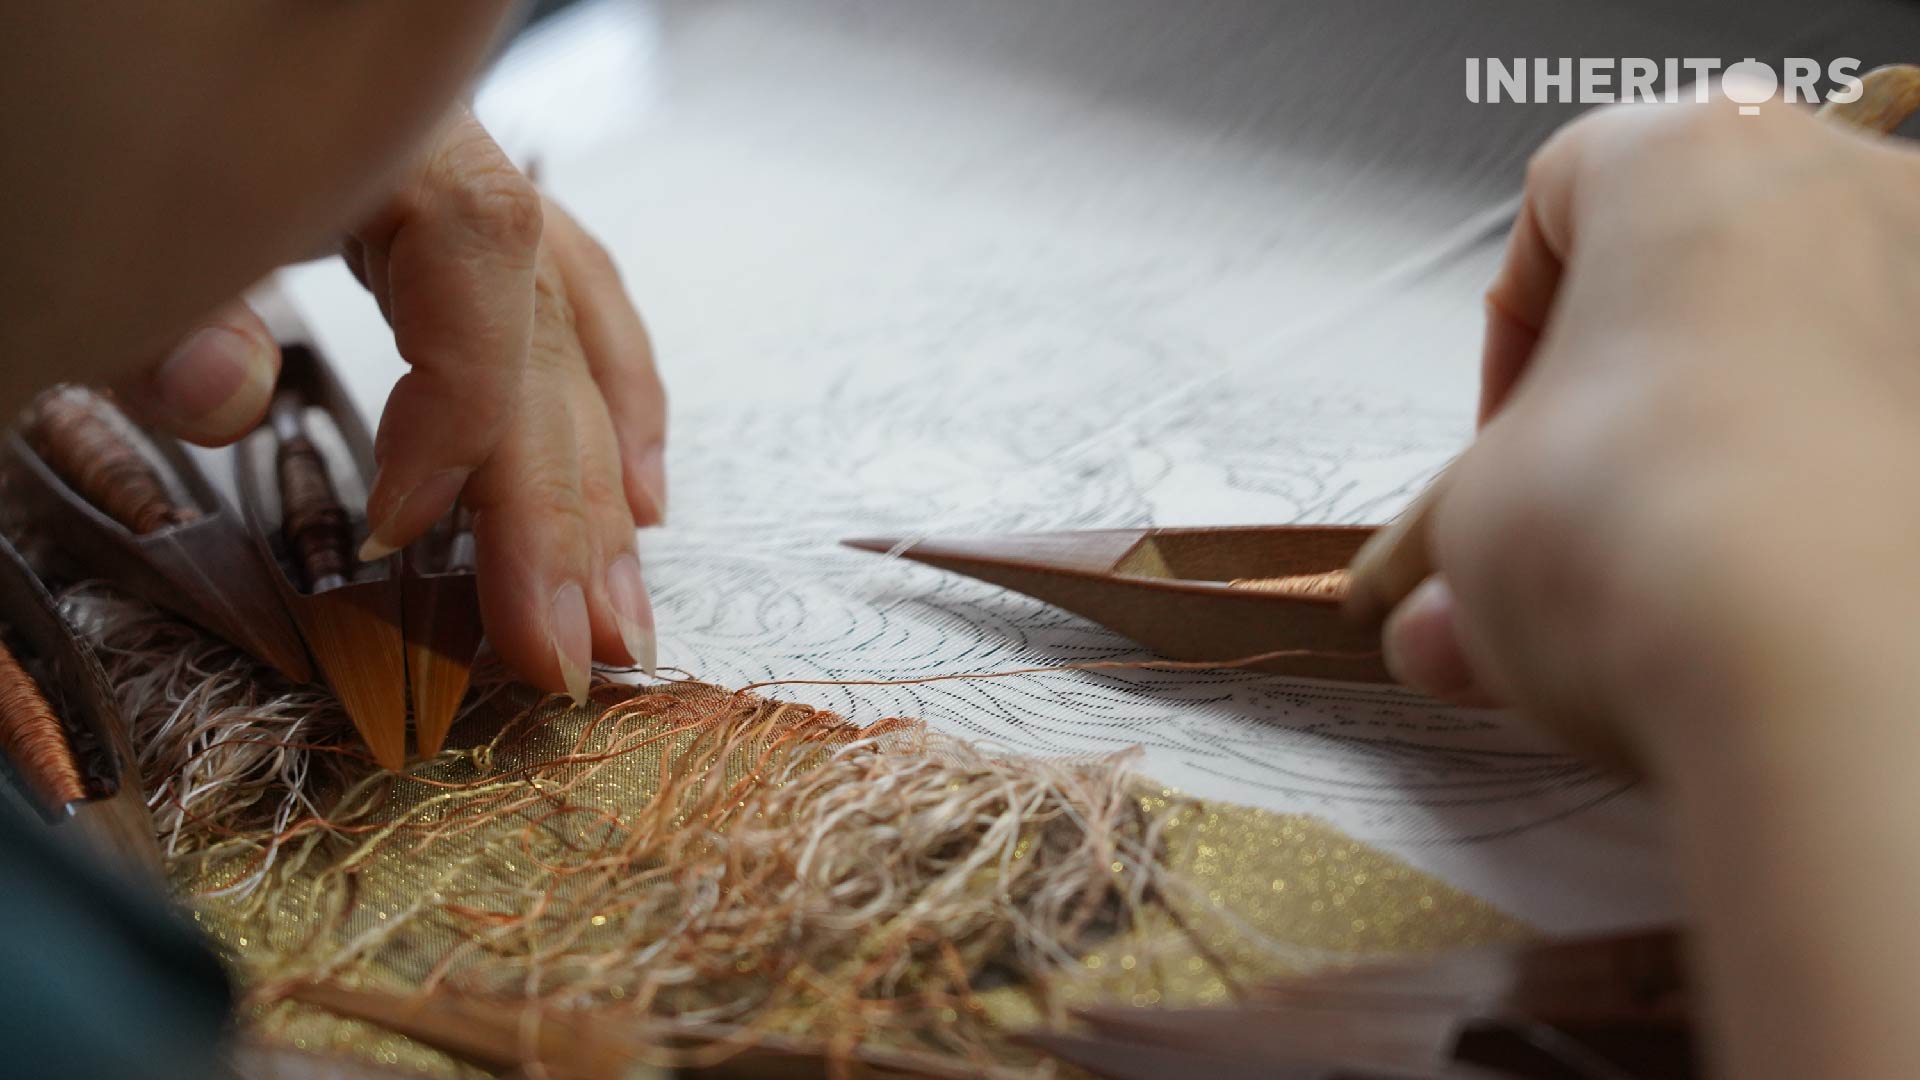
1750 661
1786 763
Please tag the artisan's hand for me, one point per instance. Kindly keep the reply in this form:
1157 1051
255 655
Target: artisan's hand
532 392
1697 375
1687 534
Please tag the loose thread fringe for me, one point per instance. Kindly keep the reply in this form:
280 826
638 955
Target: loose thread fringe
783 864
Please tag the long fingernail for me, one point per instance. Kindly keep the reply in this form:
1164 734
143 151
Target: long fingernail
1421 644
650 471
572 639
627 592
413 513
216 383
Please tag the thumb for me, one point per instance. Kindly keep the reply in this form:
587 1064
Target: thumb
216 383
1421 645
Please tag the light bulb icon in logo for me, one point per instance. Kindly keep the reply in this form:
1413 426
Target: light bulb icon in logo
1749 83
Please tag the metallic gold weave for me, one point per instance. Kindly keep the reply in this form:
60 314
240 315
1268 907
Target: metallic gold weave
639 856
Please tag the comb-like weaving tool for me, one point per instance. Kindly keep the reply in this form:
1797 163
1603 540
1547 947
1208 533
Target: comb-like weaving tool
134 509
1203 595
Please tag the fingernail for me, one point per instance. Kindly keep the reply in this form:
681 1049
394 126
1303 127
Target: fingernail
572 639
1421 644
650 471
216 383
627 592
412 513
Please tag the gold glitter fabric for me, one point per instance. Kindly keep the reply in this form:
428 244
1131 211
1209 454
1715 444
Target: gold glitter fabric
702 856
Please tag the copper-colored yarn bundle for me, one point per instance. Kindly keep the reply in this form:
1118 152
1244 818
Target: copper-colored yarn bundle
691 855
685 852
1329 583
34 739
313 521
71 429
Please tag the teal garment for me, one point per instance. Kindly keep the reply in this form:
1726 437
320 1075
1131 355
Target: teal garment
99 978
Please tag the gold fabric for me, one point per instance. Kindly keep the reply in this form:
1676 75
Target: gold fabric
552 859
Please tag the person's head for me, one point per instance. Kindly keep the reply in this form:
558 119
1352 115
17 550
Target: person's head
160 156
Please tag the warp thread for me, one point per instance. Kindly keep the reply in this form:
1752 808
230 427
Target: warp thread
72 430
312 520
35 740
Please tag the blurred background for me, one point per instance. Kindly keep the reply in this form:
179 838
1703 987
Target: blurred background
1331 133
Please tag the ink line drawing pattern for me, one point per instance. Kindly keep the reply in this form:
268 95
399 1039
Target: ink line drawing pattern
751 585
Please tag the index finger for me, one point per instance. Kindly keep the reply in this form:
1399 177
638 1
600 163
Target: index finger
1520 300
451 260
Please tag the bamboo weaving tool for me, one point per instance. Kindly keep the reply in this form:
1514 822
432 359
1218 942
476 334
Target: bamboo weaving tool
399 630
61 731
1395 562
1202 595
134 509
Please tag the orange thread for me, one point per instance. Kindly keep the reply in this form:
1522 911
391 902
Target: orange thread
72 431
565 771
35 740
1095 665
1329 583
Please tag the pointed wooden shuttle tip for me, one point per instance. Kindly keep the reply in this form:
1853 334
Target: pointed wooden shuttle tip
386 737
879 545
439 684
1093 551
442 628
354 632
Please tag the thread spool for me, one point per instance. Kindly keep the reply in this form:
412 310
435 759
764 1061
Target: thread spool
35 740
312 520
73 431
1329 583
